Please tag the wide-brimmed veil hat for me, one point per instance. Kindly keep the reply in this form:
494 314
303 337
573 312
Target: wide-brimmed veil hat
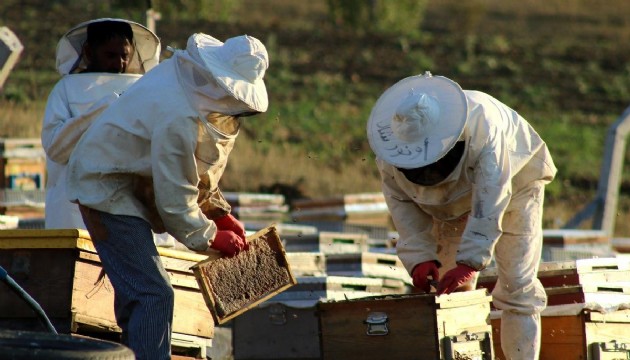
417 121
70 47
239 65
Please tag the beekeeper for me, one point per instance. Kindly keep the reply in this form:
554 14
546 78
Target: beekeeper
171 132
463 176
97 60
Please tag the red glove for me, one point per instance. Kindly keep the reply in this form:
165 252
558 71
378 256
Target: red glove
229 222
455 278
228 243
421 273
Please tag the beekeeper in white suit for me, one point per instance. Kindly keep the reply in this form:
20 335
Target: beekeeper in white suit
463 176
97 60
153 160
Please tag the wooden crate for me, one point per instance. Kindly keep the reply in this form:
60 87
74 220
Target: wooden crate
569 273
603 293
327 242
454 326
367 264
307 263
231 286
23 164
582 334
61 270
277 330
362 208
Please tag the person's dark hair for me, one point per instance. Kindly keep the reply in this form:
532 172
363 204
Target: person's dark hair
103 31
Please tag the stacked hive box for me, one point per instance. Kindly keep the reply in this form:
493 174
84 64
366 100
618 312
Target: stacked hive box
61 270
363 208
574 244
22 177
588 313
328 265
454 326
257 208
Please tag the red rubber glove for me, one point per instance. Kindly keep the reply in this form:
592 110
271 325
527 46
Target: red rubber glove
229 222
455 278
421 273
228 243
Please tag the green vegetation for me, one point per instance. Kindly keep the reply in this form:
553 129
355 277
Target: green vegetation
563 64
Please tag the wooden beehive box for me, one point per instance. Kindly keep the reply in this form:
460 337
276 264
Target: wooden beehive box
367 264
233 285
277 330
307 263
426 326
569 273
61 270
572 331
327 242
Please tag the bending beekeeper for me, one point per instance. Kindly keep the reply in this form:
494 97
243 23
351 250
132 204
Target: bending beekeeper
98 60
153 160
463 176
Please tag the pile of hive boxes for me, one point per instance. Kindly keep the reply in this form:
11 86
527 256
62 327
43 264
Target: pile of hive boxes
61 270
328 265
588 312
353 295
22 178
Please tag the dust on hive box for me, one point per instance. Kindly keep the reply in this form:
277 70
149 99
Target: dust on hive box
233 285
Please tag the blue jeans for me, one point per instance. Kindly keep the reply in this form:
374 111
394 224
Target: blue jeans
143 295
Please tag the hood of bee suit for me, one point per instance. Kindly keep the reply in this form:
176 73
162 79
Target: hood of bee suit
205 92
146 45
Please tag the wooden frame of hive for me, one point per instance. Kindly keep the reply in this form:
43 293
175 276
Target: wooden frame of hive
213 275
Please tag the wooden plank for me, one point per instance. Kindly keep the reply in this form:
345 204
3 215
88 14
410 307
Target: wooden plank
605 332
47 234
621 316
191 315
464 298
92 293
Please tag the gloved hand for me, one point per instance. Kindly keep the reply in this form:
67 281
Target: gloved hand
455 278
229 222
229 243
421 273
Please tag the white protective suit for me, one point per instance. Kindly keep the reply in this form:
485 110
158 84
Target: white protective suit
165 138
492 201
75 101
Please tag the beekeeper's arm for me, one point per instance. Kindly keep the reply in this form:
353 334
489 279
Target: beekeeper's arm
175 182
60 130
416 244
492 191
